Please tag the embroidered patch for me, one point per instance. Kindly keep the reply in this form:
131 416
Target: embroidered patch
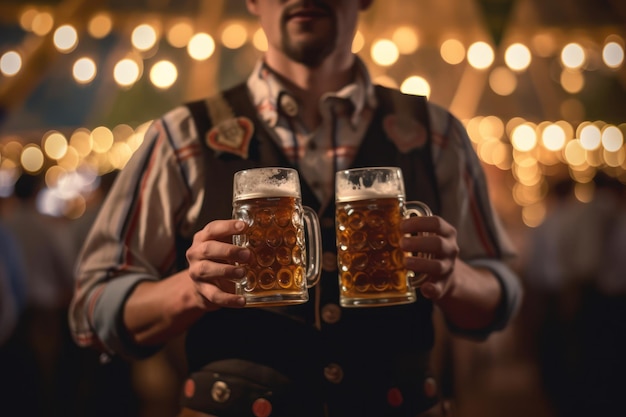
232 136
405 132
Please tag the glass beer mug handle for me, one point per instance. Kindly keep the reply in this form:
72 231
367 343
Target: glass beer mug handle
314 246
417 208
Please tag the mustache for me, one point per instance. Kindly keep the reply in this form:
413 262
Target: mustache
304 4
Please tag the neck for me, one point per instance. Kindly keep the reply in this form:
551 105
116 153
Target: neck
310 84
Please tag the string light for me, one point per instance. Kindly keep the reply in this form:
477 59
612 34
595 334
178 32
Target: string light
518 145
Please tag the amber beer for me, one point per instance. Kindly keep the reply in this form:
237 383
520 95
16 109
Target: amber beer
282 267
370 203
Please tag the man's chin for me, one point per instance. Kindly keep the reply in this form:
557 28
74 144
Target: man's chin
309 55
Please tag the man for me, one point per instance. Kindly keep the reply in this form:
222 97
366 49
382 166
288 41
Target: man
309 104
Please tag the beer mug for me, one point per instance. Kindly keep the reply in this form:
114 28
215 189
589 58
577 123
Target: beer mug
284 262
370 203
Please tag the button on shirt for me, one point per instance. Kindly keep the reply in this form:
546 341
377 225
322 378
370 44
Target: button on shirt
346 115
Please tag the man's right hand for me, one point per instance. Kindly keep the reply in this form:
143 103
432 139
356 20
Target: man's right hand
215 264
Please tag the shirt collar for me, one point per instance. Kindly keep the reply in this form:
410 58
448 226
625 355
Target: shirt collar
266 89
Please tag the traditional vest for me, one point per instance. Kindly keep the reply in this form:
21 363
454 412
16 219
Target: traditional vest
352 362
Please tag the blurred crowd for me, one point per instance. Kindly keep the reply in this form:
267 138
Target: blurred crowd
562 356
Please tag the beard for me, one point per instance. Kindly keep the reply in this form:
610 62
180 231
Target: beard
310 52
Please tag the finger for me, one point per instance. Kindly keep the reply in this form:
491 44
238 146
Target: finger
435 245
208 270
218 297
427 224
434 268
217 251
432 290
220 230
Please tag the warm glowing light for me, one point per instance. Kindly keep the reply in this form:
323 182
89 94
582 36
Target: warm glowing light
259 40
27 17
10 63
53 174
179 34
491 126
415 85
584 192
528 172
122 132
32 158
42 23
553 137
452 51
102 139
613 55
573 56
614 159
70 160
574 153
473 129
201 46
524 137
163 74
54 145
590 137
84 70
144 37
119 155
612 138
234 36
358 42
81 141
544 44
517 57
486 150
480 55
65 38
502 81
100 25
572 81
533 215
126 72
406 40
384 52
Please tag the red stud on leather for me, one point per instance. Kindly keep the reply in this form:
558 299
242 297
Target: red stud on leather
394 397
190 388
261 407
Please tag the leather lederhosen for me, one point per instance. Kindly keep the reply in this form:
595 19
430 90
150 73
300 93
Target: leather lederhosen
315 359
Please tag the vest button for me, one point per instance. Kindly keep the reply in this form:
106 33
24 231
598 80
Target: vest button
288 104
394 397
333 373
331 313
329 261
220 392
261 407
189 388
430 387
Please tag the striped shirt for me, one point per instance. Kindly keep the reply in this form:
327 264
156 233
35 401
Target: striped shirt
160 192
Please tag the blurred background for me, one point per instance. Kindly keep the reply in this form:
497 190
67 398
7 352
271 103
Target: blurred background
540 86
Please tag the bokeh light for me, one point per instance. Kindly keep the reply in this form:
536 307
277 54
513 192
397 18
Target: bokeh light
452 51
10 63
384 52
480 55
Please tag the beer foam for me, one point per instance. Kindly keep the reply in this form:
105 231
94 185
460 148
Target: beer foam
349 191
266 182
